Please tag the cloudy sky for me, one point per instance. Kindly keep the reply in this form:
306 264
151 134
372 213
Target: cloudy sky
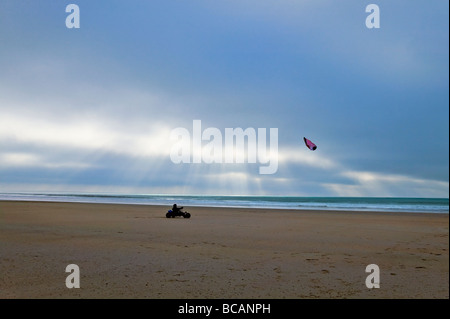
92 109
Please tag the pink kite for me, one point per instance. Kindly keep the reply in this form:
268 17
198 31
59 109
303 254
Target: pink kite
310 144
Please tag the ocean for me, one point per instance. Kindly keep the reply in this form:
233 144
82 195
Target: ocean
391 204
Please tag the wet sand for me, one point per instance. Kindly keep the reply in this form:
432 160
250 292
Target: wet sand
133 251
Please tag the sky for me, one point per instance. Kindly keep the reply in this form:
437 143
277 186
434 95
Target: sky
94 109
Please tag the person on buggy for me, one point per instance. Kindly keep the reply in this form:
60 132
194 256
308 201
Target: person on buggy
176 209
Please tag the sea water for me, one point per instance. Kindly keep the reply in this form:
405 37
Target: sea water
391 204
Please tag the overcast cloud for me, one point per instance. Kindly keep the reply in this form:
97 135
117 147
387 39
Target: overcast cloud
92 109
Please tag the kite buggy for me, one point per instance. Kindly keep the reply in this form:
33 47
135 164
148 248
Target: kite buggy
177 211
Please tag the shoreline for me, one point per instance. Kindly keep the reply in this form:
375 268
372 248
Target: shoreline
321 209
133 251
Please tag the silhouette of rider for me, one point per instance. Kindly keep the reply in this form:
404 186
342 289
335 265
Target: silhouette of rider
176 209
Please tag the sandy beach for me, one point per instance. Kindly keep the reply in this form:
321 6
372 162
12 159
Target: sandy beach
133 251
